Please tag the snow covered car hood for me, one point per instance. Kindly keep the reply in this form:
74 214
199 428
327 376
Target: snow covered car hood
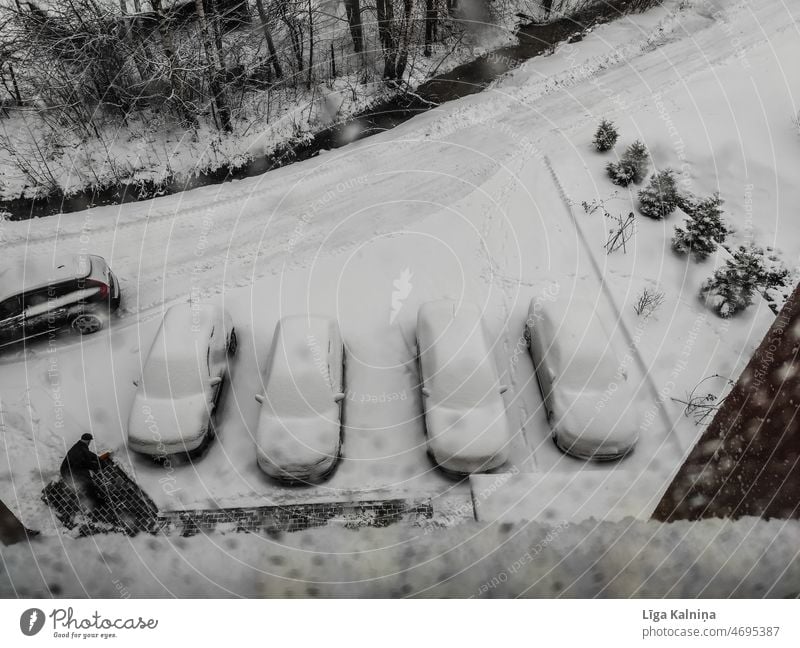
468 440
294 446
165 421
593 425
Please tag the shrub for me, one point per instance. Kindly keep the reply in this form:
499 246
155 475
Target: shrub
606 136
622 232
730 290
620 173
660 198
632 167
648 302
704 229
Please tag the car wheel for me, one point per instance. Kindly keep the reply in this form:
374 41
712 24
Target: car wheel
87 323
233 343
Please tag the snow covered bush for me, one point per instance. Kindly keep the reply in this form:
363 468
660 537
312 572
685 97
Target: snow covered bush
631 168
732 287
660 198
606 136
703 231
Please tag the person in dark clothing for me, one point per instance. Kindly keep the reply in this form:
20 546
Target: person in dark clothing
76 471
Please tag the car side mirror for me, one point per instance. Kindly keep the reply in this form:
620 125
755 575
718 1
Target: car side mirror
260 398
503 389
338 397
426 391
216 380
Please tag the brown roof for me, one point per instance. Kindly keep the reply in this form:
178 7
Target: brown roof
748 460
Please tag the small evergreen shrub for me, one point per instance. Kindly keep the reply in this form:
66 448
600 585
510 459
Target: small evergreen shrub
632 167
660 198
606 136
730 290
704 230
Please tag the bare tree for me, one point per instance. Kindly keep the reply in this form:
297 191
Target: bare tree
273 54
430 25
394 34
177 93
353 10
215 68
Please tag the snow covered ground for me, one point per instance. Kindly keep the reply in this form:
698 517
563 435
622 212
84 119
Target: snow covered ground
477 200
710 559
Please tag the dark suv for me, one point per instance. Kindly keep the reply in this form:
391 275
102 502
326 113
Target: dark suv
78 291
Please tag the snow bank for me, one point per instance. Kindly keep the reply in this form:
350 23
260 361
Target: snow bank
713 559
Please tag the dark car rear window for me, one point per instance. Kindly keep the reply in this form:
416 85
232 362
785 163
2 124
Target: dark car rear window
10 308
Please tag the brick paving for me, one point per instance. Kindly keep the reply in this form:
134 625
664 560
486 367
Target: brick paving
296 517
747 462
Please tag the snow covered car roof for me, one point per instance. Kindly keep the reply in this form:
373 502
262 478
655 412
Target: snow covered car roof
299 430
40 272
464 410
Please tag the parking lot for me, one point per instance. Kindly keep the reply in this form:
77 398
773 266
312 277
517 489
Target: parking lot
374 291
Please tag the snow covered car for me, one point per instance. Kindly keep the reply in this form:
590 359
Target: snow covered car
46 294
590 404
182 381
465 414
299 426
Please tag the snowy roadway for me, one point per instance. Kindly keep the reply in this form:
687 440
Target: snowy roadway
457 203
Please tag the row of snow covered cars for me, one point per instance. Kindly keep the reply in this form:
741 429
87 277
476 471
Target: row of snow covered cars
588 399
299 433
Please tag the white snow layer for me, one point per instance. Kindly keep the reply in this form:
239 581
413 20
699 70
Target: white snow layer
711 559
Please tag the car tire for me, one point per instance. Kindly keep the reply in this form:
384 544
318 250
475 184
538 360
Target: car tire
87 323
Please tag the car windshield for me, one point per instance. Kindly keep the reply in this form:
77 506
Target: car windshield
10 308
298 391
463 383
589 372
